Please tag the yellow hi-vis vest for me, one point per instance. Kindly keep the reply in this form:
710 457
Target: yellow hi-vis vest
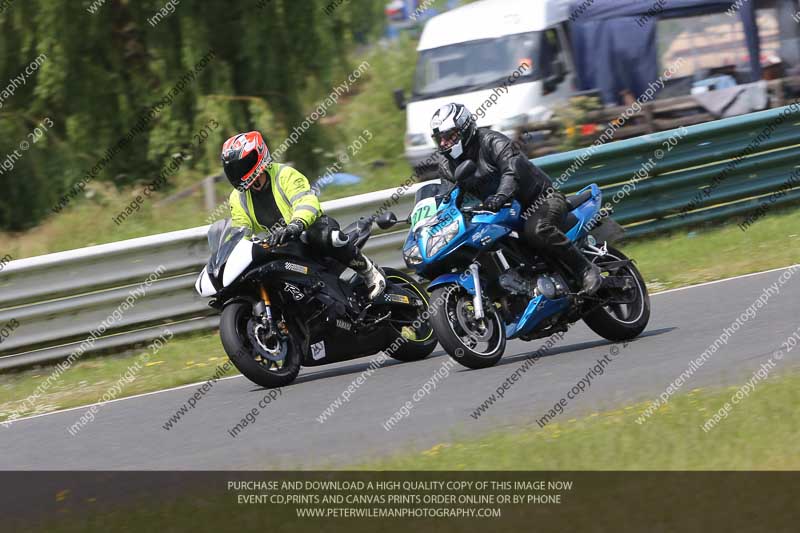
293 196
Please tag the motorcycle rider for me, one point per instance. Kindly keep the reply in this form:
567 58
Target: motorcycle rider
277 199
504 173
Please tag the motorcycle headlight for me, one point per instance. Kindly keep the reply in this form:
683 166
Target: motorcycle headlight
412 256
440 238
205 285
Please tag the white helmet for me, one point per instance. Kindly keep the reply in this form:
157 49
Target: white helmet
453 128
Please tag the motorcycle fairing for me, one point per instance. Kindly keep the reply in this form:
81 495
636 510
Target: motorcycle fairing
240 258
464 280
507 216
585 213
484 230
538 309
204 284
341 346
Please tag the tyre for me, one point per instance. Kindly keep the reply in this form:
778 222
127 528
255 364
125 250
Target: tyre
236 342
621 322
470 342
419 341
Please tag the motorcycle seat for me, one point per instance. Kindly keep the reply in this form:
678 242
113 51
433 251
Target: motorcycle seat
576 200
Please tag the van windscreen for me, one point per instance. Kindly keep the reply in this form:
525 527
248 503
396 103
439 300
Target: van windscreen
477 65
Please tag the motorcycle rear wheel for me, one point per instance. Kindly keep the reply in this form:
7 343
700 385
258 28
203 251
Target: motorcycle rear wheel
424 341
621 322
235 341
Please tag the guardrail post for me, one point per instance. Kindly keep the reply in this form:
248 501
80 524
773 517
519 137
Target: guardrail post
210 194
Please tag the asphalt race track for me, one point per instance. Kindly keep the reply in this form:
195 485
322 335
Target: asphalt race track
128 434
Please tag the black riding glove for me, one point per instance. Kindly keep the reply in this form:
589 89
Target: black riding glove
495 202
288 233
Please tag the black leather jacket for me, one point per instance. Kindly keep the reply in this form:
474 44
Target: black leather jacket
502 169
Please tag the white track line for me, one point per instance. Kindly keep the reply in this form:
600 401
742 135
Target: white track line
726 279
8 423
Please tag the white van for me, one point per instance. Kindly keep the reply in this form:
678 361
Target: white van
476 55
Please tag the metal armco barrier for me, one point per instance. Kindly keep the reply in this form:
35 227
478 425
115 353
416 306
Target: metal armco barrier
715 170
59 298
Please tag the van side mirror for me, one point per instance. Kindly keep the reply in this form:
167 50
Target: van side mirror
400 99
559 74
386 220
465 171
560 70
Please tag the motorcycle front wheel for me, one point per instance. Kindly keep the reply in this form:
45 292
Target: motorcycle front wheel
233 331
471 342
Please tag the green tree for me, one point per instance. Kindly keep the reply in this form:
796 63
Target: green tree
107 64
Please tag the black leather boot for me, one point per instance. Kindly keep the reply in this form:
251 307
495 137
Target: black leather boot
583 269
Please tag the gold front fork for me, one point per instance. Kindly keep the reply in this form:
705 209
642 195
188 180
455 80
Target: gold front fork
265 296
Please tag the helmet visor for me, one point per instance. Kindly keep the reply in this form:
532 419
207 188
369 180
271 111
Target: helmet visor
238 170
447 139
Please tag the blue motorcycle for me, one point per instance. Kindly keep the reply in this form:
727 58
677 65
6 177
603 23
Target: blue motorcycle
487 286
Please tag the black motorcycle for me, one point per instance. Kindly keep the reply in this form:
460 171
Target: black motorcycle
285 307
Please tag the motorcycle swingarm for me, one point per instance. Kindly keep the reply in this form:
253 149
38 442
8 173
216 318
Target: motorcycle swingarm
610 291
397 296
618 282
615 265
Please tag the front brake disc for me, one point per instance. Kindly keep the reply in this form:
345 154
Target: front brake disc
274 348
465 314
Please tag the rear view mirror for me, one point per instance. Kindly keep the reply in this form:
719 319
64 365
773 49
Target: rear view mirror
386 220
465 171
558 75
400 99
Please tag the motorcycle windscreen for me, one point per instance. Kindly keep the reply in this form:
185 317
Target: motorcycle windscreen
222 239
430 190
426 204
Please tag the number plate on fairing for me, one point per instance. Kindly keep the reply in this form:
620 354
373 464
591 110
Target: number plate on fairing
423 212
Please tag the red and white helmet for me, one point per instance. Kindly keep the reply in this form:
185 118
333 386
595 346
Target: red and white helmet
244 157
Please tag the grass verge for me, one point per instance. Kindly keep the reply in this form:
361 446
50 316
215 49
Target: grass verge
183 360
760 433
686 258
